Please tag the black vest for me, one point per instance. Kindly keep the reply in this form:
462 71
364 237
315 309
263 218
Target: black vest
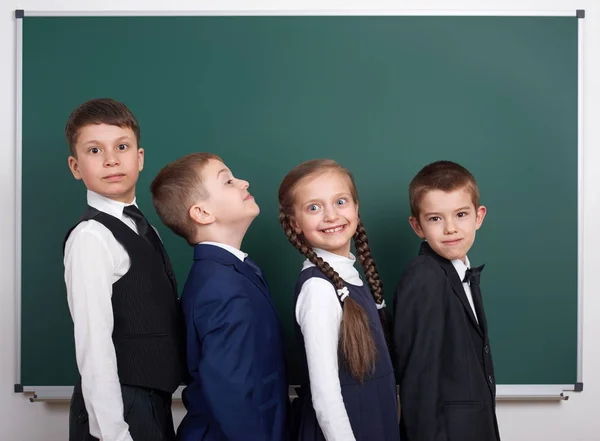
148 332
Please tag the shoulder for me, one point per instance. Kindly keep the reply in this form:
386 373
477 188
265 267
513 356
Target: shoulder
317 293
423 268
312 281
210 281
307 273
87 235
423 276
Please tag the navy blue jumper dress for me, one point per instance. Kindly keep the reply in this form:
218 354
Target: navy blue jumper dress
371 405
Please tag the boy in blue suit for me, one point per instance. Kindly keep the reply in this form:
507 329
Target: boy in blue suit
237 388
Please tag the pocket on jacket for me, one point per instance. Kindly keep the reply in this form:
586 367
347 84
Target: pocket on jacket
465 404
466 421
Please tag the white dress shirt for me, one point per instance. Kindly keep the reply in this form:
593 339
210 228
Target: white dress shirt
237 253
319 315
94 260
461 269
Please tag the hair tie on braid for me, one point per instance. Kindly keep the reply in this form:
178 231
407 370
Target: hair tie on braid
381 305
343 293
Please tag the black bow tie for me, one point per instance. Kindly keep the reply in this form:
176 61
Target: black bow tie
472 275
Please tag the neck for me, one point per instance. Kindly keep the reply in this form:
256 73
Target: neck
228 236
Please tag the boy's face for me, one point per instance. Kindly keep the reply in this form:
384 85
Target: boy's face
448 221
108 161
229 202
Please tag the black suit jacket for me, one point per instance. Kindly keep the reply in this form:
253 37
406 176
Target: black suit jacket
445 372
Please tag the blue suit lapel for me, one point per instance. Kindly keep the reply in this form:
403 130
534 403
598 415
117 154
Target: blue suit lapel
218 254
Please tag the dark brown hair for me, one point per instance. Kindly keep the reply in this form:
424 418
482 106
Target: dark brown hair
99 111
441 175
356 340
176 188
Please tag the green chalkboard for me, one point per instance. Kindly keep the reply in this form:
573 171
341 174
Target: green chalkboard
381 95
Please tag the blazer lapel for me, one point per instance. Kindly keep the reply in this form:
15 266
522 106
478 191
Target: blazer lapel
218 254
455 282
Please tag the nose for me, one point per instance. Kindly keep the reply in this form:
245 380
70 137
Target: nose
329 213
244 184
111 159
449 227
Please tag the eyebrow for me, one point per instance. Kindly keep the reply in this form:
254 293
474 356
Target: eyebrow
435 213
94 141
223 170
337 196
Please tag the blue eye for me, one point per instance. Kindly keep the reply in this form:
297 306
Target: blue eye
313 207
341 201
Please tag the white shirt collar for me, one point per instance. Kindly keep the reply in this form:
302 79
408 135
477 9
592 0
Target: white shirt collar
344 266
237 253
460 267
107 205
332 259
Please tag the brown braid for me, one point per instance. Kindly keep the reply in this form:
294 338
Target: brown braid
356 340
363 252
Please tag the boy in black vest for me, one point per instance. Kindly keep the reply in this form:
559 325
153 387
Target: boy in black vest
444 361
120 287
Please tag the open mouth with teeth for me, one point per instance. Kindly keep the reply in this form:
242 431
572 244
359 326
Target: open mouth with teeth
334 229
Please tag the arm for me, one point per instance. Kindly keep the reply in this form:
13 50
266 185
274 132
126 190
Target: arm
89 266
319 315
224 321
419 336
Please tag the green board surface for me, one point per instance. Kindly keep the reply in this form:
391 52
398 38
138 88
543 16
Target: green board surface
381 95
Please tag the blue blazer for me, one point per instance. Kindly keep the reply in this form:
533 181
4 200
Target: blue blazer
237 387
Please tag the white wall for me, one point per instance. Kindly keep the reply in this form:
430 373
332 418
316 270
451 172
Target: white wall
575 420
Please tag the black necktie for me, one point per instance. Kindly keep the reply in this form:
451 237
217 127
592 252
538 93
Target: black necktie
144 228
473 277
146 231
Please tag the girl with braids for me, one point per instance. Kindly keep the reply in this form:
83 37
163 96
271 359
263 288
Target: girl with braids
348 391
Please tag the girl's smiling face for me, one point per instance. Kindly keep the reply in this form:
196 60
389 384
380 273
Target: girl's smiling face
325 212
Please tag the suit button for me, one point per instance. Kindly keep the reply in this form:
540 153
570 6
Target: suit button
486 348
490 379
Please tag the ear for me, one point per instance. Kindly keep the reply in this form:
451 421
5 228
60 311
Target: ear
74 166
416 226
481 212
200 216
140 154
295 225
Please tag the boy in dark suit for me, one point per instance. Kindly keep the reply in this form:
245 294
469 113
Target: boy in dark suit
121 290
238 388
444 362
